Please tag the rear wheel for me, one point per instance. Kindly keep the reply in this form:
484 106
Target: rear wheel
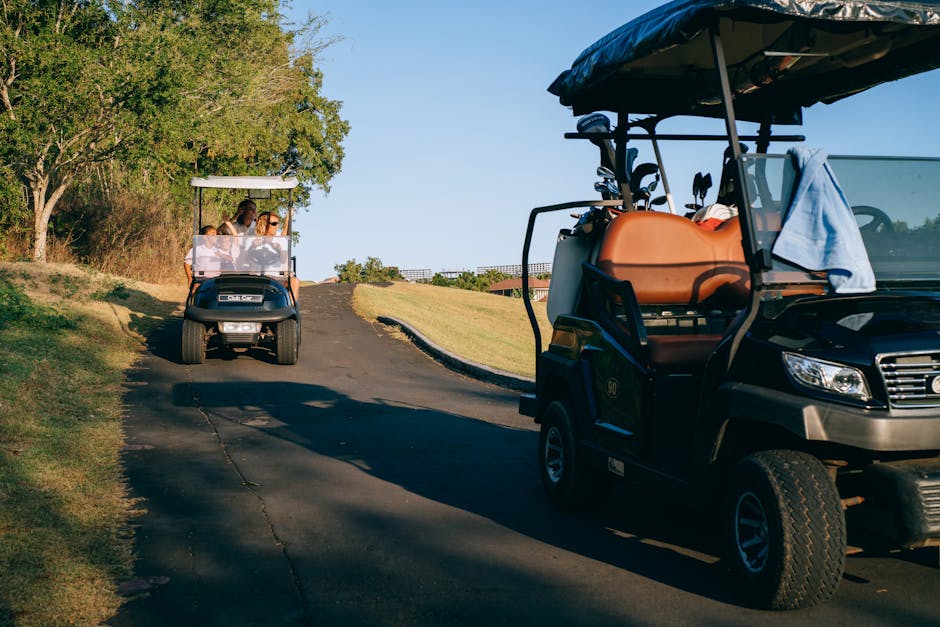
784 530
194 342
567 481
287 342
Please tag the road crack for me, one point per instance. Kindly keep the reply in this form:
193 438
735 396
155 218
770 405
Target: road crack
252 487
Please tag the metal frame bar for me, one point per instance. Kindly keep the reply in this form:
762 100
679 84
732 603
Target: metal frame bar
530 227
690 137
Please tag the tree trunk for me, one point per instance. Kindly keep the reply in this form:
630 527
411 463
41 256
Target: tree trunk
42 211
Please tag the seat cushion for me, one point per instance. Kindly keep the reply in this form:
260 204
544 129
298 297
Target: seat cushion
670 260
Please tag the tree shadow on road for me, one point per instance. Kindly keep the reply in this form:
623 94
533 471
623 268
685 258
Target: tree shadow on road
486 469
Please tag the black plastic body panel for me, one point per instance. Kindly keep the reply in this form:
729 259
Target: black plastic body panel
910 492
206 305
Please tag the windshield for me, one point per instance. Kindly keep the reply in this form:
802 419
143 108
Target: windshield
896 201
213 255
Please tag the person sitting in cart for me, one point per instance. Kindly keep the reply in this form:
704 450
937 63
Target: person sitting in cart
240 223
262 250
207 256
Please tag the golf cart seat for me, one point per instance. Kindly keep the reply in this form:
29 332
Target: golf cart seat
671 261
675 267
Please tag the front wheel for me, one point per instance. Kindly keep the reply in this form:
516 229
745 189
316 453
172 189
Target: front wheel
193 349
288 349
567 481
784 530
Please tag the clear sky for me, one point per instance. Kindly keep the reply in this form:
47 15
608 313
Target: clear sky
454 136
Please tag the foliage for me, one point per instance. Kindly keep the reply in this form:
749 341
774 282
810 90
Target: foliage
371 272
19 310
100 102
469 281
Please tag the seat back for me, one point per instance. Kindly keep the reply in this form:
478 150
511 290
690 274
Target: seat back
669 260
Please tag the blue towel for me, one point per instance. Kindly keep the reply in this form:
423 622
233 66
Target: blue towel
820 231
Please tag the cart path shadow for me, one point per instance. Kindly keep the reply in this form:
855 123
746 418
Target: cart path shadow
363 417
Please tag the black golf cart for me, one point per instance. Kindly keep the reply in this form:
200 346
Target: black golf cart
780 361
242 292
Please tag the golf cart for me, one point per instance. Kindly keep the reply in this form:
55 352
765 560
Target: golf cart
242 292
782 365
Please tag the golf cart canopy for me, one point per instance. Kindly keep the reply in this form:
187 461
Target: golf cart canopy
245 182
782 55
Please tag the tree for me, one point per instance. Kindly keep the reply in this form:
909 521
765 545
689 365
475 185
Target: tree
372 272
250 102
349 272
172 88
64 87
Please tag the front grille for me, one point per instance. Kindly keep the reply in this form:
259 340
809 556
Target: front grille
910 379
240 338
930 495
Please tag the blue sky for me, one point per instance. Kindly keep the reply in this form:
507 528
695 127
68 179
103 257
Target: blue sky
454 137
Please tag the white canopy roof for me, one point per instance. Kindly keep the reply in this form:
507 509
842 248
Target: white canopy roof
245 182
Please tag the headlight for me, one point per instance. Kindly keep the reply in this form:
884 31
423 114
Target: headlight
240 327
828 376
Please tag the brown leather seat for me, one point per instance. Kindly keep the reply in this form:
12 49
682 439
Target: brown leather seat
671 261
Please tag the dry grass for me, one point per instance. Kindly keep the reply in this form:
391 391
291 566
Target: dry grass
484 328
66 337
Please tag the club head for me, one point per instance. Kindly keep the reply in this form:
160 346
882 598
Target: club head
697 182
605 173
659 200
594 123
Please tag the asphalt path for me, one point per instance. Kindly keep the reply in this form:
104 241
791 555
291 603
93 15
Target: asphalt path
368 485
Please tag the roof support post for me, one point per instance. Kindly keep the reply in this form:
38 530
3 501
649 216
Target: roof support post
730 124
620 160
731 127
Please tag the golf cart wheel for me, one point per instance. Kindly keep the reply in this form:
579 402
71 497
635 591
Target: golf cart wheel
784 529
287 342
567 481
194 342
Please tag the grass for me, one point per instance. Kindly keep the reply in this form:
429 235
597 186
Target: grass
67 335
484 328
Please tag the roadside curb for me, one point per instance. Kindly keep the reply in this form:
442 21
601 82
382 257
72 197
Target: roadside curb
469 368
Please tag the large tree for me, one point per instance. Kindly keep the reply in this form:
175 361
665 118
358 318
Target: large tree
174 88
62 87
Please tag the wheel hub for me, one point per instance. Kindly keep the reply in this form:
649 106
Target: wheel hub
751 534
554 455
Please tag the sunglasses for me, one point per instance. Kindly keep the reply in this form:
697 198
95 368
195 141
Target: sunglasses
273 223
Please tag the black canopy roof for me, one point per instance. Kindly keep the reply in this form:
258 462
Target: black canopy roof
782 55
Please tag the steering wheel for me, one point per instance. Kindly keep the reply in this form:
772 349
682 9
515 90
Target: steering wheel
880 221
263 257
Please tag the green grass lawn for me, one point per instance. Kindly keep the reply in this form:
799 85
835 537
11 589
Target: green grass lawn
67 335
484 328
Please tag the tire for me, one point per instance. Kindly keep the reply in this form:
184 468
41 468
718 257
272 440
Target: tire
193 350
568 483
287 342
784 525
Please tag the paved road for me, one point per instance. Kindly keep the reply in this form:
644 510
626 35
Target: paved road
367 485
